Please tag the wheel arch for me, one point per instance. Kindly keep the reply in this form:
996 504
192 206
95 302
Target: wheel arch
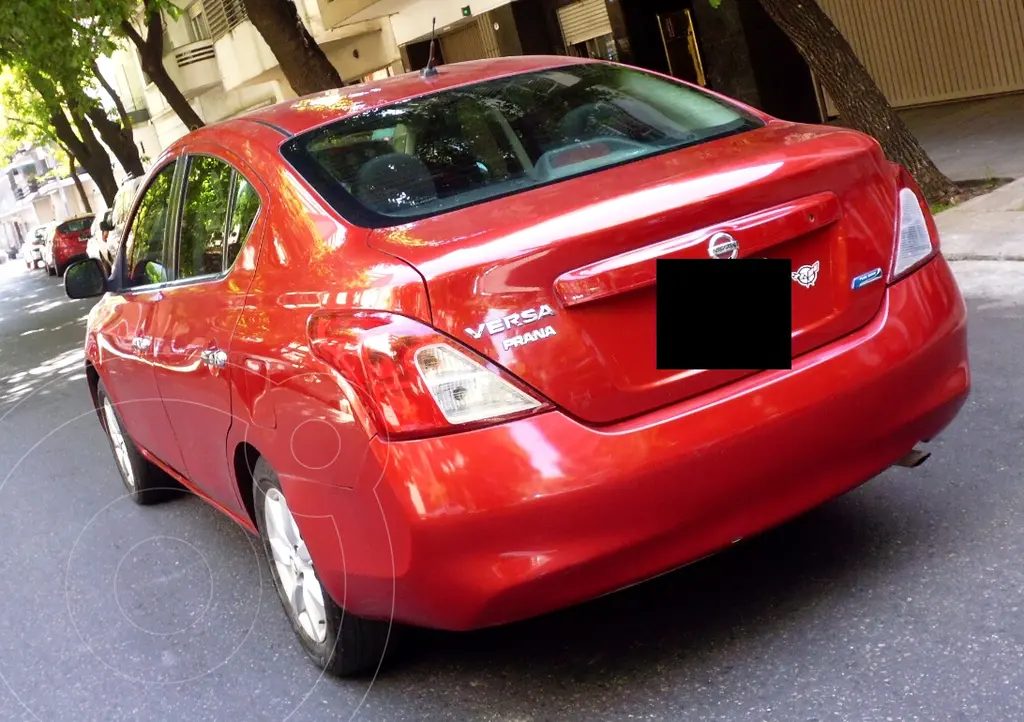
243 462
92 377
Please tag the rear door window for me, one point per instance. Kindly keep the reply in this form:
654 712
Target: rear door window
473 143
76 226
245 206
204 217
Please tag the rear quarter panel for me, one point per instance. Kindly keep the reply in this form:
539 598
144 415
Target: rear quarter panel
294 409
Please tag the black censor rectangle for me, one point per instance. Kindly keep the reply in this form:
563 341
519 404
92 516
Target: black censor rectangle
724 314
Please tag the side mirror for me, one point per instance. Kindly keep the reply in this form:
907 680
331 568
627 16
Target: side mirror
85 279
155 272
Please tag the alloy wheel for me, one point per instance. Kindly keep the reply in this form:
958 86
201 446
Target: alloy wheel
120 445
299 584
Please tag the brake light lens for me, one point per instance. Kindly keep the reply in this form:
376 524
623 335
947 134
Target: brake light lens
464 390
916 236
414 381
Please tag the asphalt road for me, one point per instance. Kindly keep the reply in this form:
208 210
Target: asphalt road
900 601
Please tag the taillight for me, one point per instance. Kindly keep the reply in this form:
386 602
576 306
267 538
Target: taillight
917 238
413 380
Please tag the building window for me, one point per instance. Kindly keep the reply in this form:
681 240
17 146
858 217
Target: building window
223 16
197 27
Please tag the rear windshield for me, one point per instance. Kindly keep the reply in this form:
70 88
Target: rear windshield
76 226
473 143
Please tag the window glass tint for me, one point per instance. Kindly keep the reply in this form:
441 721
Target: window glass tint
247 204
76 226
471 143
203 218
148 234
123 201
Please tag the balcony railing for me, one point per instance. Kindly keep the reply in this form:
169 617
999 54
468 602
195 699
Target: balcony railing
223 16
194 53
193 67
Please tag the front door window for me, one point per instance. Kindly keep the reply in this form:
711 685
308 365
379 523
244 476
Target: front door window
145 252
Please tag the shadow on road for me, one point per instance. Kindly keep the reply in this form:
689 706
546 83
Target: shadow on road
41 336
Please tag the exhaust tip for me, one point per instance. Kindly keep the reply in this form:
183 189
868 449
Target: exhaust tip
914 459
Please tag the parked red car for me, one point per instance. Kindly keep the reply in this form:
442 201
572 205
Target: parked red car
404 332
70 238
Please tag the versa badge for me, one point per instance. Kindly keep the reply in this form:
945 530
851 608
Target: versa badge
515 320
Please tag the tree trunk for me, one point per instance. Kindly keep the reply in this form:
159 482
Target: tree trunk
122 112
74 176
120 142
151 56
861 103
78 185
98 166
303 62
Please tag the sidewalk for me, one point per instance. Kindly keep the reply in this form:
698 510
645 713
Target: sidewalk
985 228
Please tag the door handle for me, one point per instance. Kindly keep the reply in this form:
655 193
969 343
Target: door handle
141 343
214 357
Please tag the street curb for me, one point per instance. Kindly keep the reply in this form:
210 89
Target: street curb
989 227
951 257
1009 197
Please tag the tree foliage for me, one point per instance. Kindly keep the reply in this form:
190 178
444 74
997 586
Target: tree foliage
49 49
48 53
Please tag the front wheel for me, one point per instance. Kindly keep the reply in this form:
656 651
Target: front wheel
338 643
146 483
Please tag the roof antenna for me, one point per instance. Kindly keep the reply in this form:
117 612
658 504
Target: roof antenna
431 70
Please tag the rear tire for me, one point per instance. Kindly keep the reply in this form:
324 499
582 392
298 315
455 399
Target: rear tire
339 643
145 482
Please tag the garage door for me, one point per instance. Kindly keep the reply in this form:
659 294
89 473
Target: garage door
474 41
584 20
929 51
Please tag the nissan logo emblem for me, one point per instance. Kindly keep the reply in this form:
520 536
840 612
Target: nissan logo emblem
723 246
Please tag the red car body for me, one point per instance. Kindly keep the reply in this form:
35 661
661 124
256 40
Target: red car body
621 471
70 240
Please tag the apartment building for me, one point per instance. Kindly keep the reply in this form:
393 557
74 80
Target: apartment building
919 51
30 193
222 65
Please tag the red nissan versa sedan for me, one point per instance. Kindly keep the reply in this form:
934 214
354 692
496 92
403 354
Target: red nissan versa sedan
404 331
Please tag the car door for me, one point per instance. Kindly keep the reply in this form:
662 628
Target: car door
196 318
124 337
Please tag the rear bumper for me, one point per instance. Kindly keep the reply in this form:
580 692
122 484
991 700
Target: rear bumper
504 523
63 257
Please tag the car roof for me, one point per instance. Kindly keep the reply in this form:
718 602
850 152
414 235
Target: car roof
307 112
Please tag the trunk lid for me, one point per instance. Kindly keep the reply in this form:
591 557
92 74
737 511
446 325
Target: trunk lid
556 284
